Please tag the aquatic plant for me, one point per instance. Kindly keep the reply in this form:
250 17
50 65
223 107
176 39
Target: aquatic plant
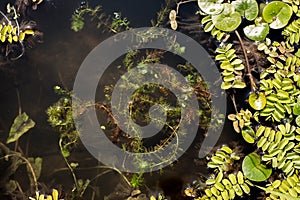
289 186
60 117
232 67
113 24
12 160
292 31
254 170
77 20
52 196
137 180
227 187
223 159
227 182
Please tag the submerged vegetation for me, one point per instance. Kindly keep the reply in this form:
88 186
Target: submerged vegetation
252 58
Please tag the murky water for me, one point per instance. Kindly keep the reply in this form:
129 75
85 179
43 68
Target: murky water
55 62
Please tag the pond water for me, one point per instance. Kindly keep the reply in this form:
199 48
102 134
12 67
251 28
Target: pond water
55 62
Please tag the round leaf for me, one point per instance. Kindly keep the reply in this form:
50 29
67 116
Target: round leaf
258 102
257 32
247 8
277 13
254 170
211 7
228 20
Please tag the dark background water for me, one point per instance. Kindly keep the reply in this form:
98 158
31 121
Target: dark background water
55 62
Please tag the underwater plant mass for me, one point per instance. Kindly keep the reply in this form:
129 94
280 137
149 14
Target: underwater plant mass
252 146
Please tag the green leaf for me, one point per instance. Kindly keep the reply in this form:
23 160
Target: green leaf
258 102
226 85
21 125
254 170
211 7
298 120
257 32
229 20
248 134
10 186
36 164
280 194
239 84
247 8
277 13
296 109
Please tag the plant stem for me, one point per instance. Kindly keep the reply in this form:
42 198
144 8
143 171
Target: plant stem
69 166
17 154
252 83
9 22
234 103
183 2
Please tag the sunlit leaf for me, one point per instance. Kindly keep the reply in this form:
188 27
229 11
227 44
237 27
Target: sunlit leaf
247 8
254 170
280 194
277 13
239 84
257 32
211 7
248 134
257 101
226 85
21 125
296 109
298 120
228 20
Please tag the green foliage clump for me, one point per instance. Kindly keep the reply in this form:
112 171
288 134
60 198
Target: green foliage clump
227 187
61 118
77 20
292 32
281 147
289 186
232 67
114 24
223 160
227 182
137 180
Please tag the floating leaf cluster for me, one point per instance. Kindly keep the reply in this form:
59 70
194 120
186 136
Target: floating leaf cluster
289 186
279 82
227 188
225 183
292 32
281 147
223 159
226 17
232 67
210 27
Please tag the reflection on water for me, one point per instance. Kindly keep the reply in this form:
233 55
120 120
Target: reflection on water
55 62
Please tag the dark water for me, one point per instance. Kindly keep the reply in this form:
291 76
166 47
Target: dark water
55 62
